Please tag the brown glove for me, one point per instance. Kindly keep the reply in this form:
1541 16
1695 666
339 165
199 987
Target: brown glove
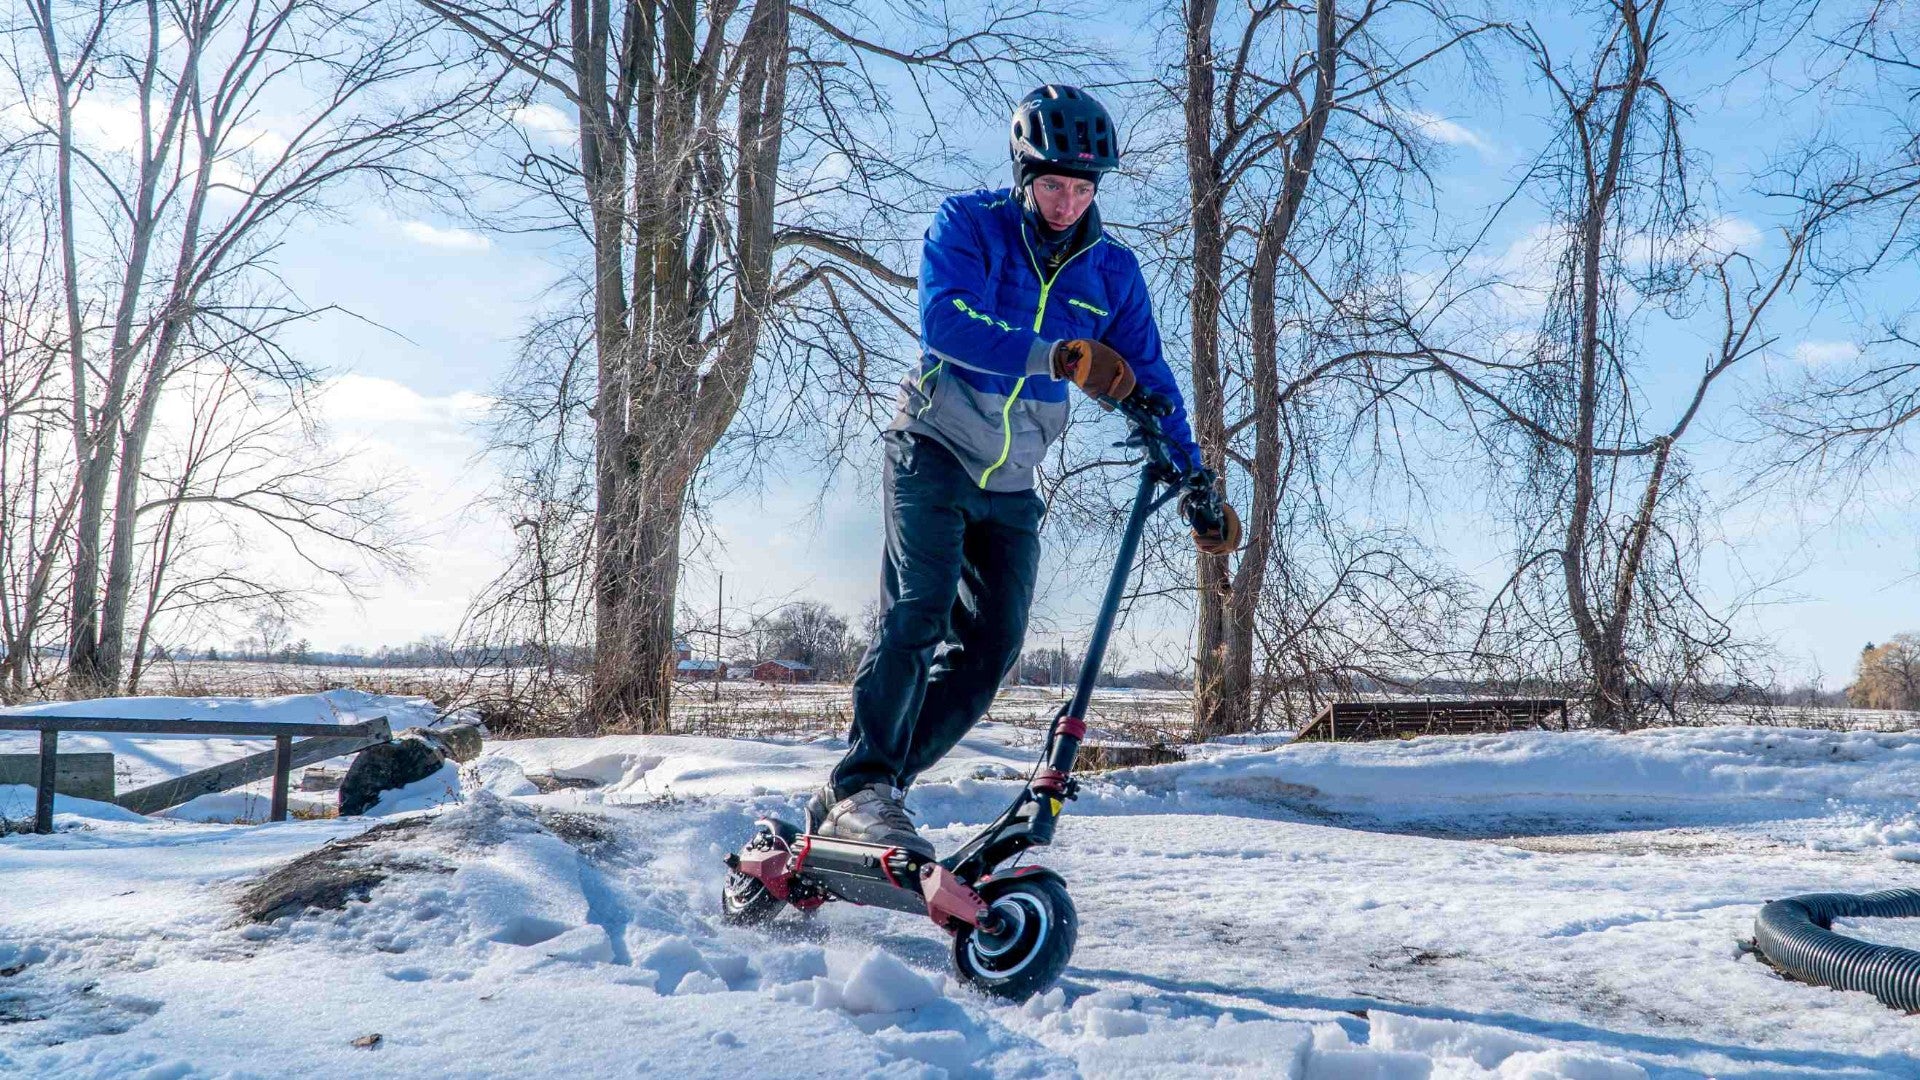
1221 538
1094 368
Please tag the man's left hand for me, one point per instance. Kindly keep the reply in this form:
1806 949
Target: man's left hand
1216 528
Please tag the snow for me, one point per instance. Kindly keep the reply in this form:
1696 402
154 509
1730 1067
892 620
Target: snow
1469 908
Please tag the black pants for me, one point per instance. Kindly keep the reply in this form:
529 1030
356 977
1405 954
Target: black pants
956 582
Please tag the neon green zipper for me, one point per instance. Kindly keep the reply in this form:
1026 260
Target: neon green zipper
1039 315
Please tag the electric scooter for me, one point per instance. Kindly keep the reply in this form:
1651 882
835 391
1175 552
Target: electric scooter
1014 931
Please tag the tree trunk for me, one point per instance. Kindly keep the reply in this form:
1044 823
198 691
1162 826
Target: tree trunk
1212 711
1235 709
664 401
639 576
1598 642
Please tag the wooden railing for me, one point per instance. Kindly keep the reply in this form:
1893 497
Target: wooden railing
1356 720
317 743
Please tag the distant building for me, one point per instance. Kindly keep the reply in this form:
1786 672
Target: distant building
782 671
700 669
682 650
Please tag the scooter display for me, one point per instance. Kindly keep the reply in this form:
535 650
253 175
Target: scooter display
1012 931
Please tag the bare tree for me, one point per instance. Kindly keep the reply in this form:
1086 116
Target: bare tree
37 492
1605 591
236 116
809 632
702 135
1851 412
245 476
1301 142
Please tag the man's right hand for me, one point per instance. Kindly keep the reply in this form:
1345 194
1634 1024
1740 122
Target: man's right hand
1094 368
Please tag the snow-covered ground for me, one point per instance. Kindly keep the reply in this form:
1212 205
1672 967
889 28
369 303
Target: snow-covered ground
1523 906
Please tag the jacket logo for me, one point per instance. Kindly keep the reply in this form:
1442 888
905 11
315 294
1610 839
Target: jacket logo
988 319
1075 301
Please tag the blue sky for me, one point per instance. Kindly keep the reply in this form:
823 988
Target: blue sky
439 301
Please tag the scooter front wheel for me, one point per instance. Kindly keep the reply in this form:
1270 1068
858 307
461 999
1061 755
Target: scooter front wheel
1035 929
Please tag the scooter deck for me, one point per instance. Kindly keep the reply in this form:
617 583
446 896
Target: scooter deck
872 874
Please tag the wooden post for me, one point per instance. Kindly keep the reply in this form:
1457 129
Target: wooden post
282 765
43 797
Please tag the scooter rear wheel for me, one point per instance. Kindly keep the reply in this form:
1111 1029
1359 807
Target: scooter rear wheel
744 899
1037 930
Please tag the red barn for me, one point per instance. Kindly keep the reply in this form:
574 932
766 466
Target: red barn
782 671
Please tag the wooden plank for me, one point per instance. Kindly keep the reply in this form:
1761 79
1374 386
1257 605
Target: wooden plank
43 798
1353 721
83 776
156 797
282 765
240 729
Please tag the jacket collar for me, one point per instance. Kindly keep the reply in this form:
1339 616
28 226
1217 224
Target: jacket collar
1052 256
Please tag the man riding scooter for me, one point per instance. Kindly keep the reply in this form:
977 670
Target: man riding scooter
1021 293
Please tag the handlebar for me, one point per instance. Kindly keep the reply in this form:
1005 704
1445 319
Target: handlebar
1200 502
1145 403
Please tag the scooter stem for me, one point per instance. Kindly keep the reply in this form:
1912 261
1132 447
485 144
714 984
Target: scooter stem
1070 726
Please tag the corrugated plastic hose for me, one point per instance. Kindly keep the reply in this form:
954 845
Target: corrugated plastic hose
1796 935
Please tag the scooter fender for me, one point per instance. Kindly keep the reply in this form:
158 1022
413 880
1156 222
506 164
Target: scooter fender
986 885
774 867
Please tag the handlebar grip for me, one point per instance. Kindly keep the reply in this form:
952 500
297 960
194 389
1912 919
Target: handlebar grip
1146 403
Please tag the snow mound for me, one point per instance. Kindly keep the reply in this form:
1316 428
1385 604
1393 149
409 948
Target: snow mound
17 802
882 984
879 984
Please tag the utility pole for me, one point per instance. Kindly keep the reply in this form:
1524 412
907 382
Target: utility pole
719 618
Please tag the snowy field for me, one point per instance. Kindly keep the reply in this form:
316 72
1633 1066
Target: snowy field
1525 906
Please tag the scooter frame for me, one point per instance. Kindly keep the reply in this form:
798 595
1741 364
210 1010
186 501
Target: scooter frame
806 870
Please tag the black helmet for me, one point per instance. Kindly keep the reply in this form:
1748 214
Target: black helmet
1062 129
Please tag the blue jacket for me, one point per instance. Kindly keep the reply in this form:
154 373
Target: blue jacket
990 313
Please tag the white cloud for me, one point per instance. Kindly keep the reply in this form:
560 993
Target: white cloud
1725 235
107 123
452 239
1442 130
545 120
1820 353
370 402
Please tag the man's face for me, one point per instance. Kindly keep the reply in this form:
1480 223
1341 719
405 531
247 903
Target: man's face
1061 200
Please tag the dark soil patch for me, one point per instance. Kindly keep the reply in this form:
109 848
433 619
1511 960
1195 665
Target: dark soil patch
1098 757
327 878
590 834
548 784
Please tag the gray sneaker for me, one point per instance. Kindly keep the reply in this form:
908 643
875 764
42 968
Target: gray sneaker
874 815
818 804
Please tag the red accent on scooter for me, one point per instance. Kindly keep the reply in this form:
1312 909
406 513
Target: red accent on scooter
888 870
772 867
1049 781
1071 725
949 900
